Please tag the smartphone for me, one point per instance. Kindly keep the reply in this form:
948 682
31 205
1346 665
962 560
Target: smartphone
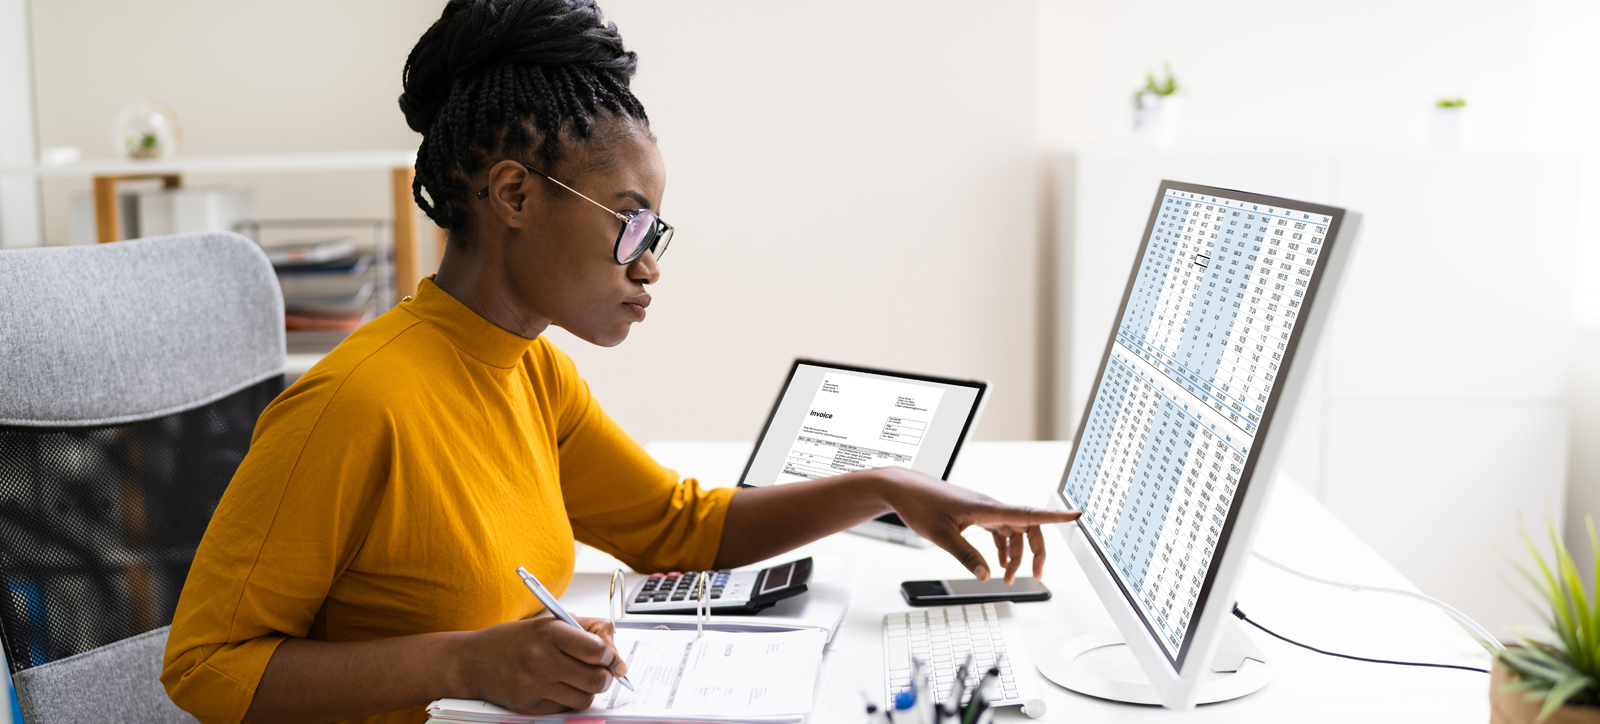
969 590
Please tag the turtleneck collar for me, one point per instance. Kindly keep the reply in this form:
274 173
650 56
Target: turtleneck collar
477 337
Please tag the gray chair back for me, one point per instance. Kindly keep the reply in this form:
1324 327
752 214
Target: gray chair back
131 377
118 682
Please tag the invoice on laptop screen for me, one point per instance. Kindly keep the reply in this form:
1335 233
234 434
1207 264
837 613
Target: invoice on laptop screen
831 420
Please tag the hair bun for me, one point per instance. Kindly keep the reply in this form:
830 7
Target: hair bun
473 36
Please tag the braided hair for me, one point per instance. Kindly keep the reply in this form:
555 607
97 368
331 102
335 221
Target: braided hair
498 78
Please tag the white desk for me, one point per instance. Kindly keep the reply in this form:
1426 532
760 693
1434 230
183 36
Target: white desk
1298 531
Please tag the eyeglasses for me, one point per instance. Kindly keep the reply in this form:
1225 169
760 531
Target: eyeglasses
642 230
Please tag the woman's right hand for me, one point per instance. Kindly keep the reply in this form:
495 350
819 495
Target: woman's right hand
541 665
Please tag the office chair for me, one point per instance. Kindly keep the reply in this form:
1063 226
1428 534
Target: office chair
131 377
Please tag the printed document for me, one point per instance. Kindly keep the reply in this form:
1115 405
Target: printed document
858 423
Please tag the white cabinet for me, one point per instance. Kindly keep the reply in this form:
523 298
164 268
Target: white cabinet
1437 410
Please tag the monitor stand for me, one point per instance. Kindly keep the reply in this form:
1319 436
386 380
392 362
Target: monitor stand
1099 664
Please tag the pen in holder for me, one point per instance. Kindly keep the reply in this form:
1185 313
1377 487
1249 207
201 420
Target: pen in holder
917 705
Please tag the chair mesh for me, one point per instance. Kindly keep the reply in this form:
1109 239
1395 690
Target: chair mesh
98 525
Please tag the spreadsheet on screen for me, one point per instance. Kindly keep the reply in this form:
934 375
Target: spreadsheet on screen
1196 353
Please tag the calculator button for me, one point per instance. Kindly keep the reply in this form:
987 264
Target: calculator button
642 599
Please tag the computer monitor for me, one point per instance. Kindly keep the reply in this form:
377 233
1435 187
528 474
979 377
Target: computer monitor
1172 460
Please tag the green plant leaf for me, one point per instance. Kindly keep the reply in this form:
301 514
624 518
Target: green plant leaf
1535 663
1578 638
1544 660
1560 615
1563 691
1537 606
1512 687
1594 613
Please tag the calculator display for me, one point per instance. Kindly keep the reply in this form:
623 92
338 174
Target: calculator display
1207 327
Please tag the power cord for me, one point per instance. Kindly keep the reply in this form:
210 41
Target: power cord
1472 626
1237 612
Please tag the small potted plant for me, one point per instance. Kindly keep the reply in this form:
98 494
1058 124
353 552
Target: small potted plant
1449 123
1155 110
146 130
1555 679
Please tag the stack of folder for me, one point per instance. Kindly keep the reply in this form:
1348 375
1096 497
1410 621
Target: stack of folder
327 284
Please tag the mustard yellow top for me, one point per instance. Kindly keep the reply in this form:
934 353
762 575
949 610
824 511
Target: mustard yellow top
395 488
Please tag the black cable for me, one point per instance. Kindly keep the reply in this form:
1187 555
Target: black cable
1240 615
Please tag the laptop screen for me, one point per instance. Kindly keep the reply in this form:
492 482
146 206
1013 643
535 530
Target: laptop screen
832 419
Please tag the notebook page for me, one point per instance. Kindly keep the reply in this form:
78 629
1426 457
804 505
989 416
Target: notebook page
718 674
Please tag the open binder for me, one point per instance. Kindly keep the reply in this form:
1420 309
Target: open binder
757 669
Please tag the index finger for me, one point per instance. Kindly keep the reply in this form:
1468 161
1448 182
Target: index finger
602 627
585 646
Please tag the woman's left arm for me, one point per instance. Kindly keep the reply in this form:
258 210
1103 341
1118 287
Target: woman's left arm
765 522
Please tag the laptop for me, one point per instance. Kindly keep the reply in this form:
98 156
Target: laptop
831 419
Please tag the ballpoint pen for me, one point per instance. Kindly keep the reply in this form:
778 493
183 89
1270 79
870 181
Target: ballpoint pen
549 601
905 706
958 687
979 701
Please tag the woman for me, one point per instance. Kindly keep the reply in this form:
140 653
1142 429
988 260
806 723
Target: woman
361 563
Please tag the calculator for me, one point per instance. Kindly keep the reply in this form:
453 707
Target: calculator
732 592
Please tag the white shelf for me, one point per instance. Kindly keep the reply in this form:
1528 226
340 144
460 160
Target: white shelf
247 163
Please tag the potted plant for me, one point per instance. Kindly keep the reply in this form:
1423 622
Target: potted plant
1449 123
147 129
1155 110
1555 680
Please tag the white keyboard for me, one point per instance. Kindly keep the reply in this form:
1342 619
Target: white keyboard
941 639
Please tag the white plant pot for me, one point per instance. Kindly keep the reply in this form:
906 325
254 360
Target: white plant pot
1449 128
1155 120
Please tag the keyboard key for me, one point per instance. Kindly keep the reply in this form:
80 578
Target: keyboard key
899 654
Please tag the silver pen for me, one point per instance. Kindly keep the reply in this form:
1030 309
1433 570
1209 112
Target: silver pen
549 601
